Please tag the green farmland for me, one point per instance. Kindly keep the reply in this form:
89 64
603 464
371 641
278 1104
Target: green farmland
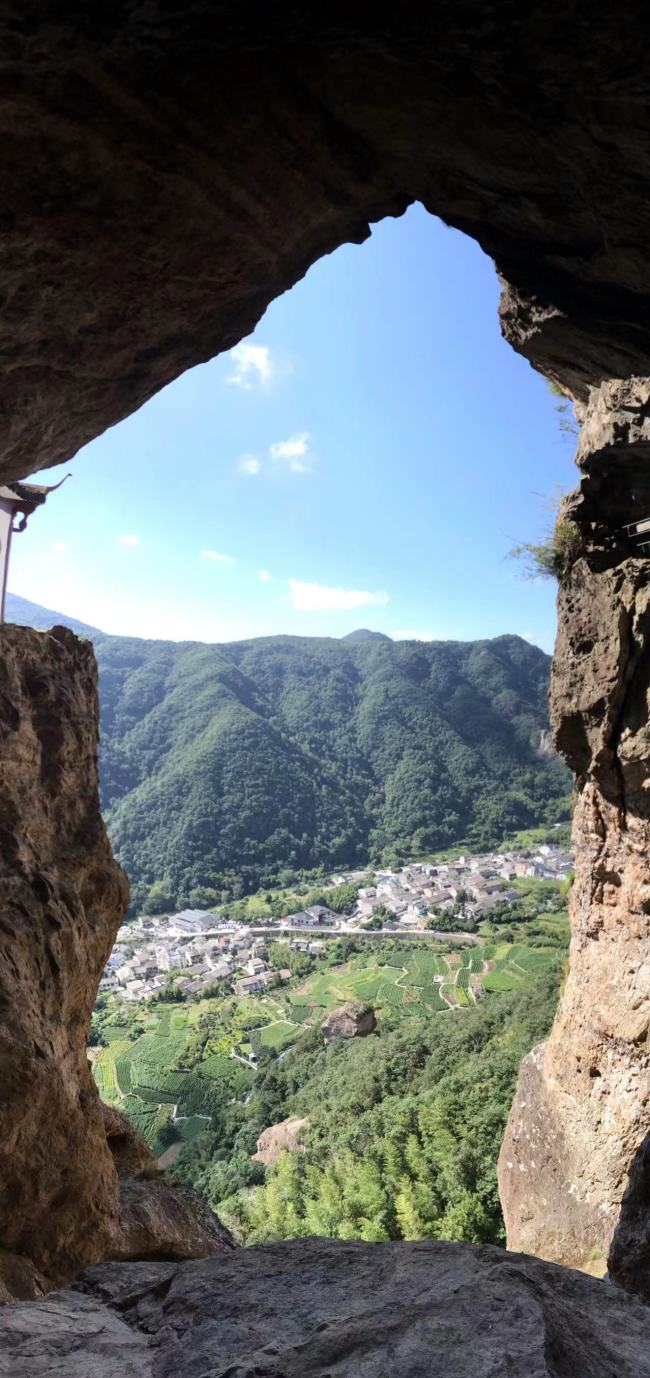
172 1068
156 1078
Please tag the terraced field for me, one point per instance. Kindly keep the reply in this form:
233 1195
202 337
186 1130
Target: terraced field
146 1077
155 1077
516 965
411 978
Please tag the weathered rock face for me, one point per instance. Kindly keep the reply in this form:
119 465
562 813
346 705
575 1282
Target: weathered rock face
285 1137
348 1021
169 171
583 1100
63 896
76 1180
315 1308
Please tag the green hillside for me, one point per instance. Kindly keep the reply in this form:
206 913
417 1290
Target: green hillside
227 768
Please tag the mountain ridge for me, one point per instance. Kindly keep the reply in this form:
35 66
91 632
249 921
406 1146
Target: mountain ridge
230 767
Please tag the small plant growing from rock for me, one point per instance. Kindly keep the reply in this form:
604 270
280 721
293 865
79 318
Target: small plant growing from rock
555 555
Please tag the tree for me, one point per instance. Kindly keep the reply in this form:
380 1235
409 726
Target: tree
160 899
167 1135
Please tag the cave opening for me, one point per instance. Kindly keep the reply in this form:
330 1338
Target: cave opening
182 195
369 455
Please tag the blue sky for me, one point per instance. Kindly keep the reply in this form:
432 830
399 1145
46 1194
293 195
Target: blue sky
366 458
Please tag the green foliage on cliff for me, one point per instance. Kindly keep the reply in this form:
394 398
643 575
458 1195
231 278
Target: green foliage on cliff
229 768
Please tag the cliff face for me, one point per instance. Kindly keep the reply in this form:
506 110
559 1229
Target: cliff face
62 900
583 1099
73 1177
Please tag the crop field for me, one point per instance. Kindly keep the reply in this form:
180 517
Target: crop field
166 1068
516 966
278 1035
145 1076
422 966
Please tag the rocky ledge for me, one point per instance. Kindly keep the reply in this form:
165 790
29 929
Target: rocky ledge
312 1308
349 1021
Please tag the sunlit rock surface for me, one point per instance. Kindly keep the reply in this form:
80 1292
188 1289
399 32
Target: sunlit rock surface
582 1106
77 1183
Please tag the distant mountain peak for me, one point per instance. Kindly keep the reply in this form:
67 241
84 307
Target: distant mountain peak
364 634
24 613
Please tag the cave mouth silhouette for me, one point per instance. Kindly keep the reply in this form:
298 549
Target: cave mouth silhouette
394 342
168 174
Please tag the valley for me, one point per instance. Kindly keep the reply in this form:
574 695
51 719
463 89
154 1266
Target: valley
204 1077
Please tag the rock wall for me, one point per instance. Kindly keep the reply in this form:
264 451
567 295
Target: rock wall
75 1180
582 1105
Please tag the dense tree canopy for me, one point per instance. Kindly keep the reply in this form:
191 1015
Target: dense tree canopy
405 1128
228 768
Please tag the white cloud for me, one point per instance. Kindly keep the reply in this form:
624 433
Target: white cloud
252 364
217 556
293 452
413 636
249 464
320 598
59 546
128 540
265 576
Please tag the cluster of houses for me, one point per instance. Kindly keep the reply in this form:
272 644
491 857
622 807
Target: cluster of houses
200 949
473 883
204 950
316 916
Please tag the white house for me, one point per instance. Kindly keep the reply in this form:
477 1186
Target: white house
255 965
191 921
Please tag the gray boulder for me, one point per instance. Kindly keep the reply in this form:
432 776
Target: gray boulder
327 1309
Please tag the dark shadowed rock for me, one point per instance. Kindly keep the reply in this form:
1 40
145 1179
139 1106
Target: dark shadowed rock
629 1256
168 171
349 1021
325 1309
162 1219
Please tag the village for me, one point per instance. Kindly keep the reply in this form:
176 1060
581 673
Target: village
205 952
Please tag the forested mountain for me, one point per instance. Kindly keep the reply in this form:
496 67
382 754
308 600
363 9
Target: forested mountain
226 768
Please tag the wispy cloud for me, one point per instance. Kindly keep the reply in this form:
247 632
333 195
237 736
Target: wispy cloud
59 546
128 540
293 452
264 576
217 556
252 364
413 636
249 464
320 598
